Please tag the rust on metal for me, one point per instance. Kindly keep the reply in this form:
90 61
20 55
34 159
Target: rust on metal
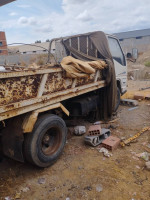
26 91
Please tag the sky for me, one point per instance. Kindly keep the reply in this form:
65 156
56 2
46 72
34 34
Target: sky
30 20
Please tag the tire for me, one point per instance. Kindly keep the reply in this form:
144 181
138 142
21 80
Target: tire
118 99
45 144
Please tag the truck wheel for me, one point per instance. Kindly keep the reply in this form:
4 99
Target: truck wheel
118 99
44 145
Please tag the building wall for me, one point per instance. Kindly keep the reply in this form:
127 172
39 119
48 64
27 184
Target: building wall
3 44
140 43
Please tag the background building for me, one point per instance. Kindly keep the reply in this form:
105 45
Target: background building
3 44
138 39
35 48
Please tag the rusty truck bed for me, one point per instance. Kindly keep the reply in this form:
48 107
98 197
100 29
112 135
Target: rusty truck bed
28 90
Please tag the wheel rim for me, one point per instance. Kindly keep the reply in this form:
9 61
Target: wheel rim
51 141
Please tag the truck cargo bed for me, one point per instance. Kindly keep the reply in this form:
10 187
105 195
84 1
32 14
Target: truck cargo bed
27 90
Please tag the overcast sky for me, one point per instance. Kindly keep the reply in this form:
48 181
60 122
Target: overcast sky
31 20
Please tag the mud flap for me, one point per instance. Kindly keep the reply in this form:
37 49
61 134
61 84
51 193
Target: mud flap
12 140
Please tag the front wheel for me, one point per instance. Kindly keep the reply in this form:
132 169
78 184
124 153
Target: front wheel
45 144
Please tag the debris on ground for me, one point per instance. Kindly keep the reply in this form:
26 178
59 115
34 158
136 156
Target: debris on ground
129 102
18 195
26 189
41 181
105 152
144 156
130 109
111 143
144 88
96 135
8 198
99 188
79 130
147 164
129 140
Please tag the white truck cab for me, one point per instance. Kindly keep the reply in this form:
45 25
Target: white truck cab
119 62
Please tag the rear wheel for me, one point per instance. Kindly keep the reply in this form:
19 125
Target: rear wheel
44 145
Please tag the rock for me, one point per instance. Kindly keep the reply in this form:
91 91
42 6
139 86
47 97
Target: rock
79 130
147 164
99 188
41 181
88 188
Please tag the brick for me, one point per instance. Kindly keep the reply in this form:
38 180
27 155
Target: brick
111 143
139 96
95 130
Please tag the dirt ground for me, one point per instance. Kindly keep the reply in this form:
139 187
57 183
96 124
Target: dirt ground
82 172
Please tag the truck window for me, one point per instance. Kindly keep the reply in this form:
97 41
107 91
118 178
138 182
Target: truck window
116 51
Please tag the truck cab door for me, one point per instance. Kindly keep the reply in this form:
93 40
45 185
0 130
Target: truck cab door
119 62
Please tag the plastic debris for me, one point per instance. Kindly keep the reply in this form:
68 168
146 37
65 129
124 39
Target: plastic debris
144 156
8 198
99 188
130 109
79 130
105 152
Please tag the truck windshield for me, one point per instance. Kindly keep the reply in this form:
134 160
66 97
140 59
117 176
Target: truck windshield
116 51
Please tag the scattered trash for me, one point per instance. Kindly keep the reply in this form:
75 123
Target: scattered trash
99 188
147 164
79 130
131 77
26 189
114 120
18 195
105 152
8 198
88 188
135 158
148 146
144 156
130 109
138 167
144 88
41 181
67 198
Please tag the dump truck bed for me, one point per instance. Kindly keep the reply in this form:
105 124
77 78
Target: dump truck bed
30 89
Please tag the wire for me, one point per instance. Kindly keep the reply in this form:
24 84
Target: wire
31 45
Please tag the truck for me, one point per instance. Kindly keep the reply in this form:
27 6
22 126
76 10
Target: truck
35 103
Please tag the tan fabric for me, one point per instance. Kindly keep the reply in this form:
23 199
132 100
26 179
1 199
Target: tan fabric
78 69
